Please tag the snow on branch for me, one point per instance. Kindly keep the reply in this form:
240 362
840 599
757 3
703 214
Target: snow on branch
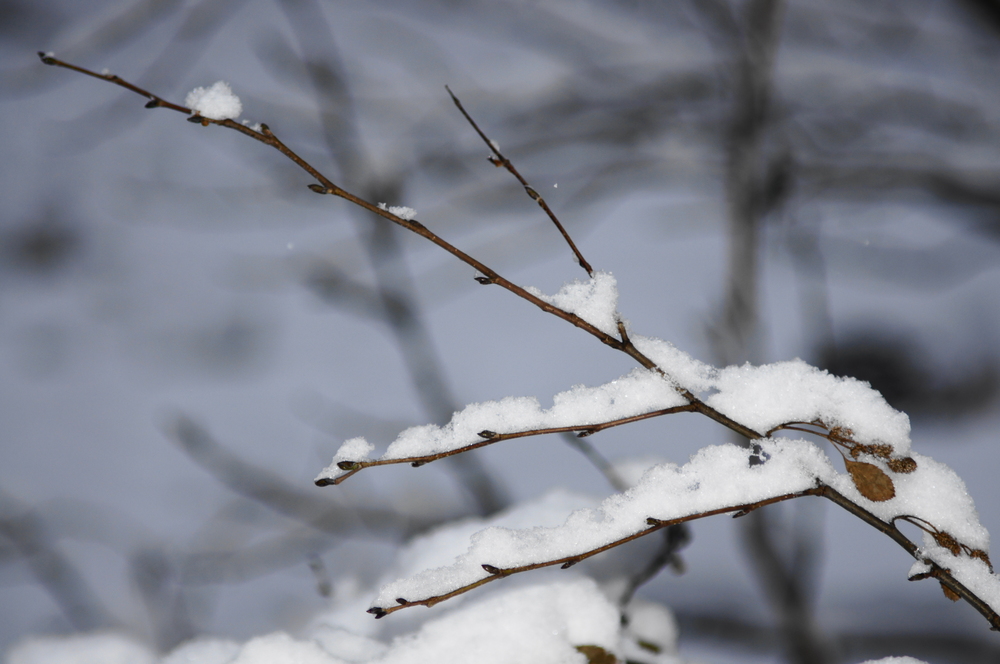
637 395
884 483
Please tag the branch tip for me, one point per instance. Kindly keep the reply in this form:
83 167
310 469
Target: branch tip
47 58
378 612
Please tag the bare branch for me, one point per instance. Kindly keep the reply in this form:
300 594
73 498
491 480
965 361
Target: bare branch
499 160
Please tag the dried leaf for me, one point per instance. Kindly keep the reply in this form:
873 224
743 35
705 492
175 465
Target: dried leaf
981 555
949 593
871 481
947 541
597 655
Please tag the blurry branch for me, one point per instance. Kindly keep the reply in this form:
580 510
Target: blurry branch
739 634
273 492
280 498
26 532
757 179
499 160
581 430
400 310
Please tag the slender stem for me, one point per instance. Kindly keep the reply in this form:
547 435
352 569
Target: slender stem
500 160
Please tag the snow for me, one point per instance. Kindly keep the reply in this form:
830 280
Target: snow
216 102
639 392
400 211
763 397
716 477
895 660
594 300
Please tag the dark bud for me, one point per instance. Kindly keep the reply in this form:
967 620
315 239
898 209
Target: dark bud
532 193
400 600
195 118
153 103
568 564
417 464
491 569
264 129
496 162
485 281
588 432
742 512
486 433
47 59
347 465
377 611
318 188
653 522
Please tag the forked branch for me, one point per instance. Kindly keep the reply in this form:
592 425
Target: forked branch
499 160
264 134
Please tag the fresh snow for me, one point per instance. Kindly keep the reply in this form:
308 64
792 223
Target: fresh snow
216 102
594 300
639 392
400 211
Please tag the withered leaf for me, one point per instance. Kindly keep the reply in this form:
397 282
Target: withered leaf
949 593
871 481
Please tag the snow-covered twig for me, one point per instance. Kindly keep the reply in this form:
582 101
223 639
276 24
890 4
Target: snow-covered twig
747 400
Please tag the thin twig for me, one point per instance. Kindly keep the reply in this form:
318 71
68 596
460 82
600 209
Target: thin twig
582 431
499 160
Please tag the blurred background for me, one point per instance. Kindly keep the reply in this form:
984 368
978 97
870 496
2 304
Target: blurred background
187 333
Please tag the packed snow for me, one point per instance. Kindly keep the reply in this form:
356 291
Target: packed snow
216 102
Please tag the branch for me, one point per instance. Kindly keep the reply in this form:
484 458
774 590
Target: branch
566 562
624 344
500 160
581 430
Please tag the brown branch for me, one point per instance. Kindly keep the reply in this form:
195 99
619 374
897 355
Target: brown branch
491 437
489 276
569 561
499 160
937 572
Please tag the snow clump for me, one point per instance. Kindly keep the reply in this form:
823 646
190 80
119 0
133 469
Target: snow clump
216 102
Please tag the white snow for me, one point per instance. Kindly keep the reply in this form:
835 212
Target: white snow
763 397
638 392
400 211
216 102
594 300
716 477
